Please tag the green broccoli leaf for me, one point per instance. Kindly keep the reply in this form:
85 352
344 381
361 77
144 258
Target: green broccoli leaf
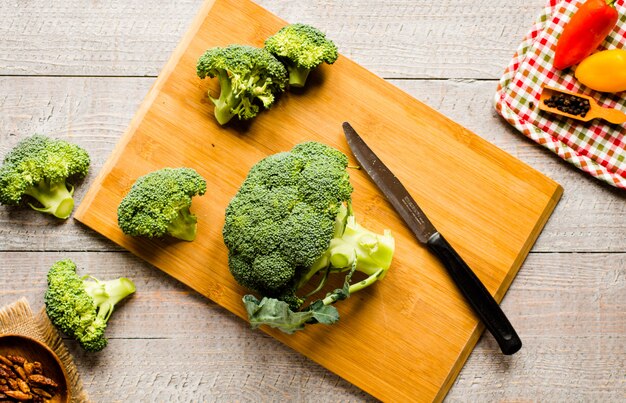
277 314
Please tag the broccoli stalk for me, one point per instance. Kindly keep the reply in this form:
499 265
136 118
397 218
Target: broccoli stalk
352 244
297 74
226 104
81 306
184 226
55 198
39 167
107 294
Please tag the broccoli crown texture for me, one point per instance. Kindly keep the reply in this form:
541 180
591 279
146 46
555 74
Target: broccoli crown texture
282 218
301 48
158 204
39 167
81 307
248 77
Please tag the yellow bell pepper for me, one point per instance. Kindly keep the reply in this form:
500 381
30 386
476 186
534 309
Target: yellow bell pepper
604 71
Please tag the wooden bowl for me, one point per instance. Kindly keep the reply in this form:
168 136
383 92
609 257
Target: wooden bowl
33 350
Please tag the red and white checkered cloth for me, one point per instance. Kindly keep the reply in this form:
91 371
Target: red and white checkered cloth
596 147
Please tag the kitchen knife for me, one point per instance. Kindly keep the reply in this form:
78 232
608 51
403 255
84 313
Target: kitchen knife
470 286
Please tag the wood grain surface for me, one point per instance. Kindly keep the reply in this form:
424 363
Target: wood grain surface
80 71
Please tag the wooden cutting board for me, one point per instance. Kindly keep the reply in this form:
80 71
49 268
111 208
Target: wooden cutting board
405 338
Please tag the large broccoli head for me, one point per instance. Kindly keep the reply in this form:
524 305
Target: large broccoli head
301 48
292 221
282 218
39 167
249 77
81 306
158 204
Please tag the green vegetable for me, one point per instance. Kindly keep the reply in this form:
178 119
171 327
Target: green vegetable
301 48
81 306
158 204
249 77
291 226
39 167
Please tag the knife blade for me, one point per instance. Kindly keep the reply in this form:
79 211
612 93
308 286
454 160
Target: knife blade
474 291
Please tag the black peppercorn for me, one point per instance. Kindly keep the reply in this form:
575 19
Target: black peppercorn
569 104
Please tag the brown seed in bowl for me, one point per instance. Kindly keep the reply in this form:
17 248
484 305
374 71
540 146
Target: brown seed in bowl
12 384
4 374
16 359
18 395
5 360
37 369
40 380
41 393
20 372
23 386
22 380
28 368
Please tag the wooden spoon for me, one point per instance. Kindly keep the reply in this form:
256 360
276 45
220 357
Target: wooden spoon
595 111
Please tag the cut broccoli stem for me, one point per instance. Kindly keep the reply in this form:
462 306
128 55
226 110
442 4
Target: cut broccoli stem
373 251
55 198
355 248
227 101
297 75
106 294
184 226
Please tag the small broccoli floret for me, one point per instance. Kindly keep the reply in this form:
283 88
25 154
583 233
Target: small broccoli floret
301 48
81 306
39 167
249 77
158 204
291 221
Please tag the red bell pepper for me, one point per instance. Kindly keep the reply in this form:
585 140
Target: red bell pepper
584 32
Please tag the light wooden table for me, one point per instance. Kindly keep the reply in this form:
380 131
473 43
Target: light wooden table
78 70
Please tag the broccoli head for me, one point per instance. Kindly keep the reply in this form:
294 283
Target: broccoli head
291 221
249 77
301 48
158 204
81 306
39 167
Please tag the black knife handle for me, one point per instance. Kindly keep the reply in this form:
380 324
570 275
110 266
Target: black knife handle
476 295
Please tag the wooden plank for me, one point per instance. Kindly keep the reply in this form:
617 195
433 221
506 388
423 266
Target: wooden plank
572 322
465 38
169 130
89 111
